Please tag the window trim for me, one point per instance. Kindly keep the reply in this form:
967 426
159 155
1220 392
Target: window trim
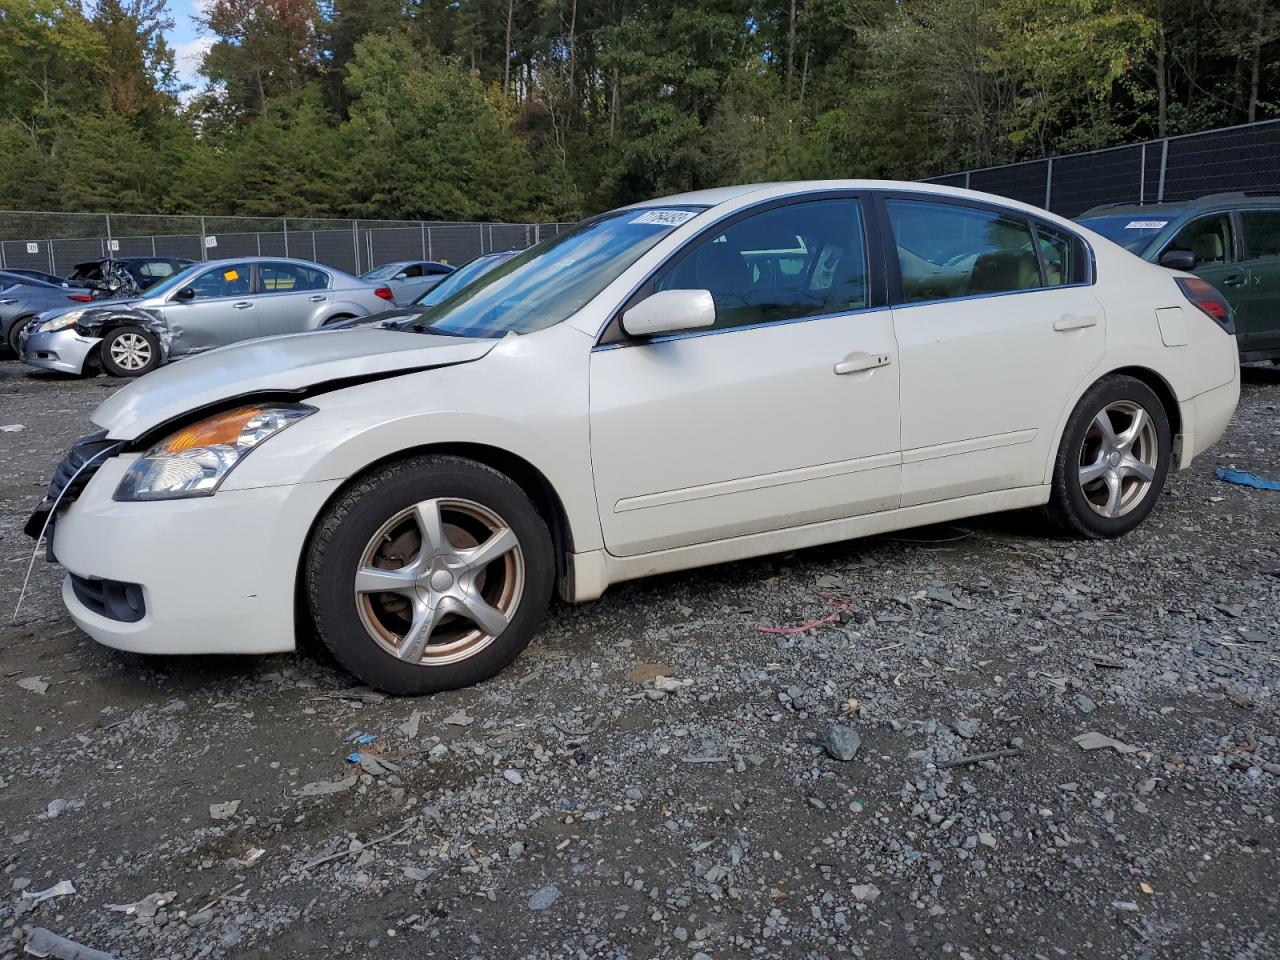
613 336
1085 256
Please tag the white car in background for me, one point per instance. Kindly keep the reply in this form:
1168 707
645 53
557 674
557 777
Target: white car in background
688 381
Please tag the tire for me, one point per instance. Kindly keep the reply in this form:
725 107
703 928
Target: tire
1105 484
129 352
377 526
14 331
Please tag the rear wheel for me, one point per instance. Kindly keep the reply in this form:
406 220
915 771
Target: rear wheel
429 574
1112 461
129 352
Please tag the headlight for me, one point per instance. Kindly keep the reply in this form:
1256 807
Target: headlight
60 322
194 461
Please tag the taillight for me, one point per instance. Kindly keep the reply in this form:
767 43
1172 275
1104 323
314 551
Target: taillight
385 293
1209 301
80 297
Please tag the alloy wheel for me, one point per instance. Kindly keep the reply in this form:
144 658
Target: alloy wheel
131 351
439 581
1118 458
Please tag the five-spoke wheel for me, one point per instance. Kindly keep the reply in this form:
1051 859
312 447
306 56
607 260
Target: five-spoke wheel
1112 460
429 573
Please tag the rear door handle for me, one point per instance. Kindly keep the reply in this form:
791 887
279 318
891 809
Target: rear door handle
1235 280
1074 321
317 299
242 305
858 362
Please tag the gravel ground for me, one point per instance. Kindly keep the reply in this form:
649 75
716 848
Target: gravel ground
660 776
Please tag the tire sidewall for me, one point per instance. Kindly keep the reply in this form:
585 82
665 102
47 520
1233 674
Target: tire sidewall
336 550
109 365
14 332
1099 396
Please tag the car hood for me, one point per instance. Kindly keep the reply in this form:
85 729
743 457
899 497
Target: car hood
295 363
60 309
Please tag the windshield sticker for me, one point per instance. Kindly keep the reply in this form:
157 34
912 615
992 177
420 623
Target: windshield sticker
1146 224
231 275
665 218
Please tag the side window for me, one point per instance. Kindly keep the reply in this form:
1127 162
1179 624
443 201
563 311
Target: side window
1261 233
156 269
788 263
1058 252
946 250
290 278
413 270
1209 238
437 269
224 280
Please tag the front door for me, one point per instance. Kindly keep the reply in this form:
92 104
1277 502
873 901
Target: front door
221 309
1257 312
996 326
782 414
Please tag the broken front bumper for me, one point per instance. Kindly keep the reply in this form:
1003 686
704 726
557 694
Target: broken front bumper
63 350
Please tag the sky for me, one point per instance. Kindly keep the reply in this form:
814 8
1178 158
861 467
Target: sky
188 46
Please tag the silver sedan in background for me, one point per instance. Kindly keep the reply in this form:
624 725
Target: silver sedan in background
409 279
205 306
23 297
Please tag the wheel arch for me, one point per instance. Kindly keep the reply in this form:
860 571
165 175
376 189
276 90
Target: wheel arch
1159 386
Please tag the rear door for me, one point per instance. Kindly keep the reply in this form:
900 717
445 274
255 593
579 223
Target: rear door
221 309
292 297
1258 306
997 326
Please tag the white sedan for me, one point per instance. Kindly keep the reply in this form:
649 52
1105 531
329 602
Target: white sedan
687 381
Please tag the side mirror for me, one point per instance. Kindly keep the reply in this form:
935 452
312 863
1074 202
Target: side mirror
670 311
1178 260
186 293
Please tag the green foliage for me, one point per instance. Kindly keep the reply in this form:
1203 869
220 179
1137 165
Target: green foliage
522 109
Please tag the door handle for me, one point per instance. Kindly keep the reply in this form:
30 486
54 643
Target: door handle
1235 280
1074 321
242 305
858 362
317 299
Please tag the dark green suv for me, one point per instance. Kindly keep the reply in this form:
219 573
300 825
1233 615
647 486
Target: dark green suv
1230 239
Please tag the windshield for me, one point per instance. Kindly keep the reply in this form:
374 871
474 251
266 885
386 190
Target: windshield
461 277
550 282
1133 231
384 272
177 280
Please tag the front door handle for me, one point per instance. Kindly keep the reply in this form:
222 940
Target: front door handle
1235 280
1074 321
317 299
242 305
858 362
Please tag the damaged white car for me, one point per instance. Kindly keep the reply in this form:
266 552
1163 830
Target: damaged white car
692 380
206 305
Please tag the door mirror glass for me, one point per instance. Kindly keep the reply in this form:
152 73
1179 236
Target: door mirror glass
1178 260
670 311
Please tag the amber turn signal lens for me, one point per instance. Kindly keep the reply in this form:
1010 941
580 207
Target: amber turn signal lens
220 429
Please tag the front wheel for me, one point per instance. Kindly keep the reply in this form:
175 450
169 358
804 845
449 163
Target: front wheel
129 352
429 574
1113 460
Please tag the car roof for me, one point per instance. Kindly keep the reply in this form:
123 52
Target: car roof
27 281
1216 201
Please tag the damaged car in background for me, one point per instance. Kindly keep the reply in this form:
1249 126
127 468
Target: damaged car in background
694 380
206 305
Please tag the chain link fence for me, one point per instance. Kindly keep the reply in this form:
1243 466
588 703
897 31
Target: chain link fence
56 242
1244 158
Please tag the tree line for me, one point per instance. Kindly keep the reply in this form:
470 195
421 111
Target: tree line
553 109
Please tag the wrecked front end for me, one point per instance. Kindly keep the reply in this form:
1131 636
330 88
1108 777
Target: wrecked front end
68 341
